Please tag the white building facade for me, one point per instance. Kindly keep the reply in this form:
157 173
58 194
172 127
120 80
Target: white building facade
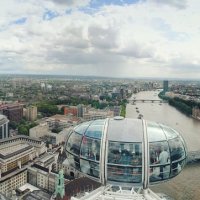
4 133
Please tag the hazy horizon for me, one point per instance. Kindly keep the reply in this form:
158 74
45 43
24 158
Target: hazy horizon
102 77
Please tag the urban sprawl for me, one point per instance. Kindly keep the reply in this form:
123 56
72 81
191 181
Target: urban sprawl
37 114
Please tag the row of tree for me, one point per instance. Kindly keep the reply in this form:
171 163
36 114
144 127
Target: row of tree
185 106
123 108
50 108
180 105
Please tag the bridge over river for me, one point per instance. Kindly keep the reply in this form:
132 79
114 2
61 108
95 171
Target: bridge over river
147 101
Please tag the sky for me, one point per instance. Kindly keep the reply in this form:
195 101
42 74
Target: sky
113 38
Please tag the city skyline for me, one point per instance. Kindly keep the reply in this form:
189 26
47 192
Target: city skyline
133 39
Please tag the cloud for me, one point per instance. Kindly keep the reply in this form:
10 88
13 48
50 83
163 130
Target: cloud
141 39
186 65
136 51
180 4
100 37
167 31
71 3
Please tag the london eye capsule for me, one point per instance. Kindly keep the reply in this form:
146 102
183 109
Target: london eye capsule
126 151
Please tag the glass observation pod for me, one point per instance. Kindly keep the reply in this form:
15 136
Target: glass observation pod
130 151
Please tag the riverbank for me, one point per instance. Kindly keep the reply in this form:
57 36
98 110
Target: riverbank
180 104
197 118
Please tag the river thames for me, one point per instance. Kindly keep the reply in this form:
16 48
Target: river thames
188 127
185 186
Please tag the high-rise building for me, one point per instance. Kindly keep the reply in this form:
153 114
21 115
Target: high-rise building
165 86
3 127
31 113
80 110
122 93
13 112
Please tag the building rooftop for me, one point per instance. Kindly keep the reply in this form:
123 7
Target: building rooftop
80 185
19 137
3 119
16 148
28 186
64 118
37 195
